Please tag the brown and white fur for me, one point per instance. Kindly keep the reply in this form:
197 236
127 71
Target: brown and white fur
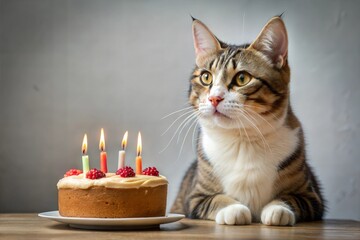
251 163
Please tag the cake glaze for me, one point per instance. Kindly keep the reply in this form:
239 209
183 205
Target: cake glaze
111 181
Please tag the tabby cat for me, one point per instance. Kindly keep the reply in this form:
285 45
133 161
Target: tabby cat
251 162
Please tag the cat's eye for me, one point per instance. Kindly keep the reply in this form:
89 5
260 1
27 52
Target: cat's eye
206 78
242 78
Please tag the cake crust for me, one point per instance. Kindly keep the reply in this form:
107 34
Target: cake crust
103 202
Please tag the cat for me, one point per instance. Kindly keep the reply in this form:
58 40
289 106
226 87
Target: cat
251 161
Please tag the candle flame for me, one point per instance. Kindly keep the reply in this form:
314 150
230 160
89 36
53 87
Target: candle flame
139 145
84 145
124 141
102 140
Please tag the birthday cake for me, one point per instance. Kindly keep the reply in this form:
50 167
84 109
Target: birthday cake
112 195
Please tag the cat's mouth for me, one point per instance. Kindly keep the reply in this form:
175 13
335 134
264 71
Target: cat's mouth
220 114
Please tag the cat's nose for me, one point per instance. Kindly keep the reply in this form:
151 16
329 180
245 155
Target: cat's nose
215 100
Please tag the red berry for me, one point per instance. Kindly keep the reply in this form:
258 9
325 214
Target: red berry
95 174
152 171
125 172
72 172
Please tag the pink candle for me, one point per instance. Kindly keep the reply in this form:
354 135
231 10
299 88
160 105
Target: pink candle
103 156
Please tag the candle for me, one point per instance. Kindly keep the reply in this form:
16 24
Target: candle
103 157
138 158
121 160
85 158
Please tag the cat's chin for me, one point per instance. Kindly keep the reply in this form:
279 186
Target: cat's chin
219 120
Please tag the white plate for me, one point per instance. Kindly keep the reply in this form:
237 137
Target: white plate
112 223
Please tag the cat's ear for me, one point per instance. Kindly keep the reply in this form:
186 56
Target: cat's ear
205 42
273 42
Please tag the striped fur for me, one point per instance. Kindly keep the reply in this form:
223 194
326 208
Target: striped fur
251 163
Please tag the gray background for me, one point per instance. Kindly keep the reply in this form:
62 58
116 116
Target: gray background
71 67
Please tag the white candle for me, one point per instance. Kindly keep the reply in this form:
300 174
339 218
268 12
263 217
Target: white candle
121 162
121 159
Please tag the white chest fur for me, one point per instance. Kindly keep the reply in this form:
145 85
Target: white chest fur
248 170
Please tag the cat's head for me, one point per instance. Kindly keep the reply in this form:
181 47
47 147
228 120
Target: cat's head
243 86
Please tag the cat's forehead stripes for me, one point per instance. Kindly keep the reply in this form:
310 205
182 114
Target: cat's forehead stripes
234 64
225 58
231 57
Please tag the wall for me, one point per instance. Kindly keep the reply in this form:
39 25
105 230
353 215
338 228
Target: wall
71 67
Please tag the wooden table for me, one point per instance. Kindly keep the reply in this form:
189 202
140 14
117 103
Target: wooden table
30 226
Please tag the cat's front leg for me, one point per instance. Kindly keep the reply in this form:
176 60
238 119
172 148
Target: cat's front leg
235 214
277 213
292 208
220 208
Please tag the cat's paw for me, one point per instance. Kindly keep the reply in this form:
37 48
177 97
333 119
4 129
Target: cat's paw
277 215
236 214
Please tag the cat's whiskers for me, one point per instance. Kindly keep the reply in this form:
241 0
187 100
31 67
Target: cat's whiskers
239 128
259 107
258 130
179 117
243 127
187 132
184 123
262 137
257 114
193 135
188 118
180 110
